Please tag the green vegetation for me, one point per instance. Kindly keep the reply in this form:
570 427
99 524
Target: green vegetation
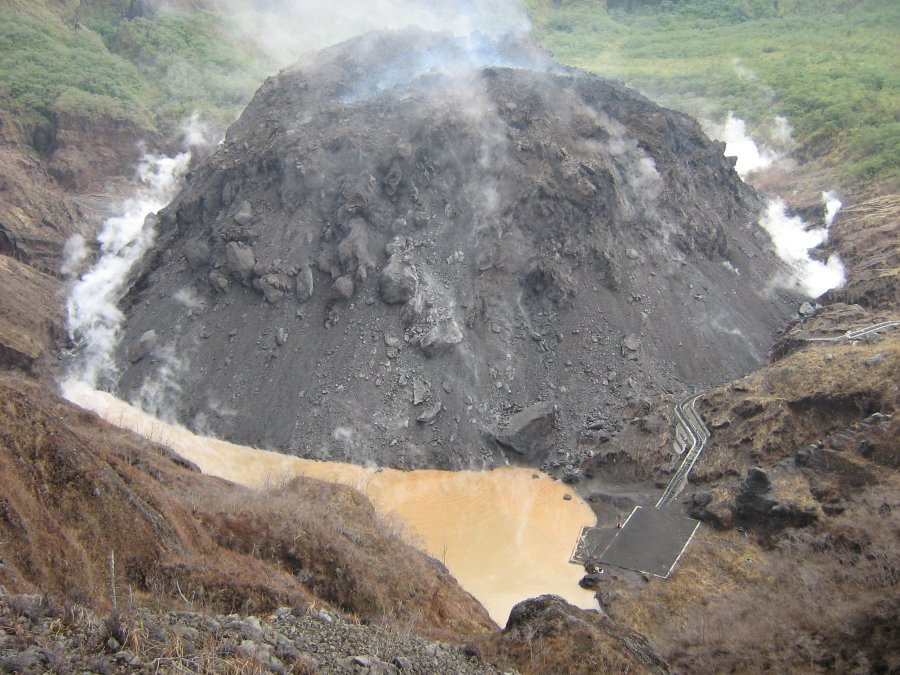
193 60
831 67
42 61
97 61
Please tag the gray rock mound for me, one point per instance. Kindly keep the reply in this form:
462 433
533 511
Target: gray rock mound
523 230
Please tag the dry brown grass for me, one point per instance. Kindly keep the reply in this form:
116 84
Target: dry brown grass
793 488
801 399
557 639
332 539
714 564
821 598
867 236
73 490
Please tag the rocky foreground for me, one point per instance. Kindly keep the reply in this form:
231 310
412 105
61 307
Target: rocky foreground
37 636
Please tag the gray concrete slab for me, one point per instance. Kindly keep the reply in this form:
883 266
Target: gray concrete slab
651 541
592 543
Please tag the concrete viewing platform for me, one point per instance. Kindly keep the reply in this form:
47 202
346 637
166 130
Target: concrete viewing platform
650 541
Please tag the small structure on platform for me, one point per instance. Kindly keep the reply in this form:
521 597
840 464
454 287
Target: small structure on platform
592 542
651 541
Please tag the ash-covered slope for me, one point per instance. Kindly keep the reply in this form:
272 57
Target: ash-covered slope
404 256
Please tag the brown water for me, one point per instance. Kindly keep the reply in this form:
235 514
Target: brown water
503 534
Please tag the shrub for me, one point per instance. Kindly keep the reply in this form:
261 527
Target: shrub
102 62
41 60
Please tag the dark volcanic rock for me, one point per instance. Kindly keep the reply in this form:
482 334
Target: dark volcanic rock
757 481
441 338
753 505
701 499
483 213
305 284
530 432
144 345
602 645
397 283
343 288
239 261
591 581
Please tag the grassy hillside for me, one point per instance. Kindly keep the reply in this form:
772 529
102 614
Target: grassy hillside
100 59
831 67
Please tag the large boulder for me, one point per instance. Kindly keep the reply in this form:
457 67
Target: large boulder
353 251
343 288
196 252
554 629
305 284
244 214
142 346
757 481
753 504
218 281
273 287
530 432
239 261
397 283
442 338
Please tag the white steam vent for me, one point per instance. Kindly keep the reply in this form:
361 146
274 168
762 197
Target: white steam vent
832 206
750 156
793 240
94 320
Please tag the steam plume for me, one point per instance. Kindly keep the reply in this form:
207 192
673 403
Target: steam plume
285 29
197 135
791 237
832 206
160 393
741 145
94 320
793 240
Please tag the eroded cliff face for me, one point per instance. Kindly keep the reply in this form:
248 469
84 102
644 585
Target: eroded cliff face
421 251
56 181
868 239
35 219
